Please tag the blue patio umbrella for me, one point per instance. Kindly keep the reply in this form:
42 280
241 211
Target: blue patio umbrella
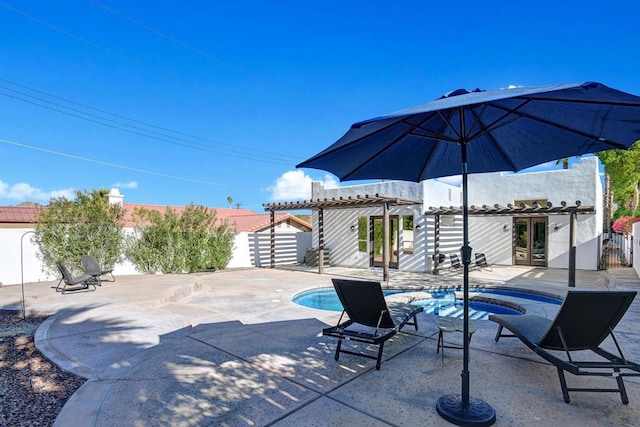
478 131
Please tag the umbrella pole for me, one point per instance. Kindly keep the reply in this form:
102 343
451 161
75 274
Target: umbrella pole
466 260
464 410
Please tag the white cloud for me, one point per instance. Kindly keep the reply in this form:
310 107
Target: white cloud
130 184
451 180
69 193
25 192
330 182
296 185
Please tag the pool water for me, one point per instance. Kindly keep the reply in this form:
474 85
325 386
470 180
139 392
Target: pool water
326 298
443 302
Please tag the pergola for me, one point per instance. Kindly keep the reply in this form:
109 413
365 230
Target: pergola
349 202
521 210
386 201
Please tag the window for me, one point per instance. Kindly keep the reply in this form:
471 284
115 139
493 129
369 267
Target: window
407 234
363 237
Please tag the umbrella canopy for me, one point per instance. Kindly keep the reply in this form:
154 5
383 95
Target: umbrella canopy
482 131
504 130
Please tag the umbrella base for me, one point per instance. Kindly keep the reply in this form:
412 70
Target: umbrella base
475 413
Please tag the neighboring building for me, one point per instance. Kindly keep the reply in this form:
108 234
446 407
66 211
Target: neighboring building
534 235
18 256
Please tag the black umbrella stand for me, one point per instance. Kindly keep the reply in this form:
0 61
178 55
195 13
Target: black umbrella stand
461 409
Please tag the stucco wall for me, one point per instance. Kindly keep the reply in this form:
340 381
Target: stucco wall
11 242
241 254
491 235
636 247
10 271
342 241
581 182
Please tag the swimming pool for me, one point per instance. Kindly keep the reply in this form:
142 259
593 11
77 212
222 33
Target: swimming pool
443 302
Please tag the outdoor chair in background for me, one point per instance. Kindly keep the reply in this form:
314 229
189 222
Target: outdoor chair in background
92 268
371 319
584 321
69 283
481 261
455 262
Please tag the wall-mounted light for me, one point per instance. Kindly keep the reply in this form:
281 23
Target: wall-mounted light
505 228
353 228
417 227
556 227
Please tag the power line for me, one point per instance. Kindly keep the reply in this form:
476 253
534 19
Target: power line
283 156
122 56
124 167
244 157
102 48
179 42
113 165
135 132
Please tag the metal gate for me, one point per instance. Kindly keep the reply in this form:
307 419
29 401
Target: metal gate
616 251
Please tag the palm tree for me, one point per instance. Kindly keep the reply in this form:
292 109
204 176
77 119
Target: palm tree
565 162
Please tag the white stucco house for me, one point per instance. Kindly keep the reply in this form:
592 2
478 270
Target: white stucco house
516 219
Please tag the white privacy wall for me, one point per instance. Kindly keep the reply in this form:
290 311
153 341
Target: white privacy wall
13 247
635 233
581 182
10 251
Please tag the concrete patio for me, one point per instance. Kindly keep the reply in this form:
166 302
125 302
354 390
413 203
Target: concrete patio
230 348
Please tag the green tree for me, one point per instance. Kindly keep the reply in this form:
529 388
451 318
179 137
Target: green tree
623 168
88 225
564 161
186 243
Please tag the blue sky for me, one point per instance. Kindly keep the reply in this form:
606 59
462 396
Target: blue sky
179 102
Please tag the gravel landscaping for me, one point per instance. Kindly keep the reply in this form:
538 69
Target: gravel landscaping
32 389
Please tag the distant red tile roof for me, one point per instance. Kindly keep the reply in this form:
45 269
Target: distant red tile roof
243 220
258 222
18 214
221 213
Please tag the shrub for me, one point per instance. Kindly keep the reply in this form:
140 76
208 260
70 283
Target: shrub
186 243
88 225
623 224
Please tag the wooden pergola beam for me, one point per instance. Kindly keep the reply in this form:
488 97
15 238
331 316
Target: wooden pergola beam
349 202
511 210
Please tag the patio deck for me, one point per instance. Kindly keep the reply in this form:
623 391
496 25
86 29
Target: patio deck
230 348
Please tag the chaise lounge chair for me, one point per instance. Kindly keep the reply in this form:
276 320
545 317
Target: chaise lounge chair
584 321
371 319
455 262
481 261
92 268
69 283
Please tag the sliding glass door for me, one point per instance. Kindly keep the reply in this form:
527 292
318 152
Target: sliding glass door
376 241
530 244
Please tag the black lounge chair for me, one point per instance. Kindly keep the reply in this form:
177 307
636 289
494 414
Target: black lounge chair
69 283
371 319
481 261
455 261
584 321
92 268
